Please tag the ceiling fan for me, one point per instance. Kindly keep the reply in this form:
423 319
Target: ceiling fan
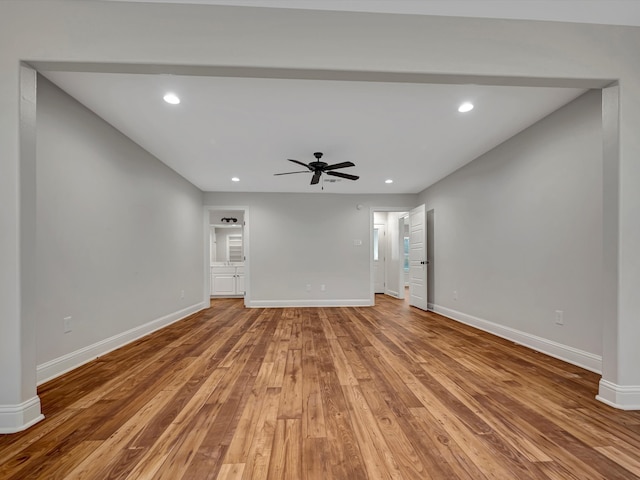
319 167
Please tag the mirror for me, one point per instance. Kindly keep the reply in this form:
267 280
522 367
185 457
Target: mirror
226 244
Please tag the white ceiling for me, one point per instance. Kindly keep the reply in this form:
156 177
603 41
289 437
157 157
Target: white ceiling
248 127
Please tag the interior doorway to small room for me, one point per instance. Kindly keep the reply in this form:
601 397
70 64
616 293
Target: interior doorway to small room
390 262
403 252
227 253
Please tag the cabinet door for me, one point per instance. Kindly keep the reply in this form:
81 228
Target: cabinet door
223 284
240 284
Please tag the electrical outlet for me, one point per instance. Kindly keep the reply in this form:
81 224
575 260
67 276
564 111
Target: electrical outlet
455 295
182 294
559 317
67 324
308 287
323 288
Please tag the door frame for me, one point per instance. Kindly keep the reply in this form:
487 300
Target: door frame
207 250
404 208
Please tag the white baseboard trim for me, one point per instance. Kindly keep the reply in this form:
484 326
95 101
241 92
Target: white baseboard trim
394 294
58 366
622 397
566 353
16 418
360 302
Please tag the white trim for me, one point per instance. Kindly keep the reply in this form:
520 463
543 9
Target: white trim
16 418
622 397
361 302
56 367
571 355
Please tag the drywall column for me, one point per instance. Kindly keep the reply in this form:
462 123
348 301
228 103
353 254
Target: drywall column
610 226
620 383
19 402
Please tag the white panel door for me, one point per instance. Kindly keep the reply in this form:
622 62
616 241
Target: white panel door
379 266
418 258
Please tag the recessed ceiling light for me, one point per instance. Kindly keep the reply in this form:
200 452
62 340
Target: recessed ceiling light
465 107
235 179
171 98
388 180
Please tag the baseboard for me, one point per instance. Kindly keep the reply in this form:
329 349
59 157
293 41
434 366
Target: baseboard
393 293
58 366
16 418
566 353
619 396
361 302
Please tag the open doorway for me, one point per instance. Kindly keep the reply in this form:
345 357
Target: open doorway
227 253
399 268
388 252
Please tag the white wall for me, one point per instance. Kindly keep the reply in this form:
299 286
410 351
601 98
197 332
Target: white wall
518 232
297 240
380 218
119 235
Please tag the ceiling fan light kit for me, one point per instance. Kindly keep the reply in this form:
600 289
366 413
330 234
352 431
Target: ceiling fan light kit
318 167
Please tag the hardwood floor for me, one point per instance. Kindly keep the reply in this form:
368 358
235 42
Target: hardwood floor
326 393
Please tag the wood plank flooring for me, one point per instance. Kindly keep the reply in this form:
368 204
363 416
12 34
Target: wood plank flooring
387 392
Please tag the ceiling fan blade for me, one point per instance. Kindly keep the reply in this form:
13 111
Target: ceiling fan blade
300 163
343 175
316 177
339 165
289 173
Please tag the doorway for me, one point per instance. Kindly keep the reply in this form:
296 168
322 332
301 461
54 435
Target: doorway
387 252
409 252
227 258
